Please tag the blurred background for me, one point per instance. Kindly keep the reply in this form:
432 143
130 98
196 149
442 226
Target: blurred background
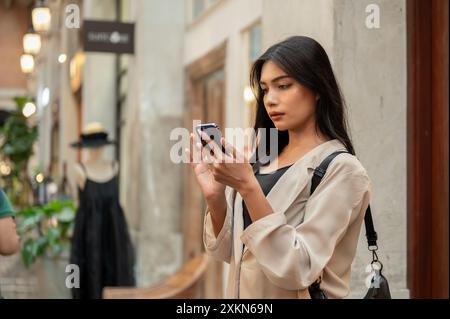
145 67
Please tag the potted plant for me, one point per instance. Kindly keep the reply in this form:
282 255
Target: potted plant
17 137
45 232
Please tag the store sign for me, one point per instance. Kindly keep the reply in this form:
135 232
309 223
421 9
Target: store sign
108 36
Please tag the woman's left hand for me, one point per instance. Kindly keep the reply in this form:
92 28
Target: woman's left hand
231 169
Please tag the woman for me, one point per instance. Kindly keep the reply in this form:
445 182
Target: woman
262 220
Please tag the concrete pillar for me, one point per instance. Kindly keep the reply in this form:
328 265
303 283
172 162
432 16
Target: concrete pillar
99 78
45 85
150 181
298 17
68 112
371 68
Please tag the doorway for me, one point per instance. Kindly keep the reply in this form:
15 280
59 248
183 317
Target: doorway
205 88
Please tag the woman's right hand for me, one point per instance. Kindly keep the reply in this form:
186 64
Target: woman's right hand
210 188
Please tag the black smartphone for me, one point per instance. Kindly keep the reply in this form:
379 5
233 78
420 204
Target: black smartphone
213 131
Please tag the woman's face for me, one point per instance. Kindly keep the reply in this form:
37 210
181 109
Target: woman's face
289 104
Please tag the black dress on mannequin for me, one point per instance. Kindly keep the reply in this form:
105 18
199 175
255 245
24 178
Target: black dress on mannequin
101 245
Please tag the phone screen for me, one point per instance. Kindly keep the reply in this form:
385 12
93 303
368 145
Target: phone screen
213 131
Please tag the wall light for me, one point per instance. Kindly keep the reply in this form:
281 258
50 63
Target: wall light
29 109
41 17
5 169
45 97
62 58
27 63
39 178
31 42
248 95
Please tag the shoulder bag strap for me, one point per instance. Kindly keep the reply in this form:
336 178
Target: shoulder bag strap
319 173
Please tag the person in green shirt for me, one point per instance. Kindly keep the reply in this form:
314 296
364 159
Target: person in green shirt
9 240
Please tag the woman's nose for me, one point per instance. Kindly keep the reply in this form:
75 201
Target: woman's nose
271 99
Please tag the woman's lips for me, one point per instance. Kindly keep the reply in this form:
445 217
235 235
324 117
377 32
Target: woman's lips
276 116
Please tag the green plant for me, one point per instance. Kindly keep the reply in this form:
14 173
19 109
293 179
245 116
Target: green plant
45 230
18 137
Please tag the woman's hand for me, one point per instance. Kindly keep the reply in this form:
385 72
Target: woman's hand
209 186
231 169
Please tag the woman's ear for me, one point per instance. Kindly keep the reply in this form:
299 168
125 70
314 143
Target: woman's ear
317 97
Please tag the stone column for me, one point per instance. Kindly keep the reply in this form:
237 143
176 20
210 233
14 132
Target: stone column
151 183
370 64
99 78
68 112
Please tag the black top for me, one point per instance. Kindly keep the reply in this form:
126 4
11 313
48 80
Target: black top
101 245
266 181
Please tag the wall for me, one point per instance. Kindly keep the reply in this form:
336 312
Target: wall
13 25
375 60
298 17
225 22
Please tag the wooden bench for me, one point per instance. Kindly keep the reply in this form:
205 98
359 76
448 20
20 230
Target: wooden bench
185 283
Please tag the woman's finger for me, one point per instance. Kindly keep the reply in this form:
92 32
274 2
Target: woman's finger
210 143
206 156
223 180
216 150
196 156
248 153
189 156
201 152
230 149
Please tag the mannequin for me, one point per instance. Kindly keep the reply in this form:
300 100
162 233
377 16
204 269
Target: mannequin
101 245
96 167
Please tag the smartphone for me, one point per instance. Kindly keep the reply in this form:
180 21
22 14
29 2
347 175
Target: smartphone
213 131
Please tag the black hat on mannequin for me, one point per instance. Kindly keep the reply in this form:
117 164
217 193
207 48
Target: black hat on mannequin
93 135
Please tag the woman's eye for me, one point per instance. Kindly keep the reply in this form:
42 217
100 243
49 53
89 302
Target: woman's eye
284 86
264 91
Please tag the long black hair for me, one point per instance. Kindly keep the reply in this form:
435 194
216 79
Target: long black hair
306 61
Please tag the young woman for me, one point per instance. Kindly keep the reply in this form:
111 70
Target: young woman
262 220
